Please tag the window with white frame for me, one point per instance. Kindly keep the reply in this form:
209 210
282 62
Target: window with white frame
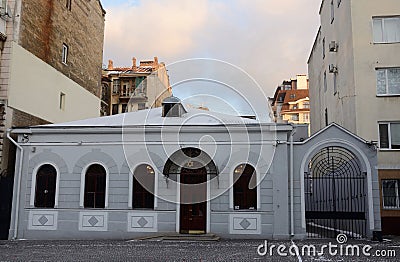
390 193
45 190
95 187
389 135
64 53
386 29
244 188
388 81
143 187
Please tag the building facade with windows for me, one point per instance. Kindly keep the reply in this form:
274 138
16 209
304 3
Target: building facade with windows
129 89
175 170
291 101
51 57
355 82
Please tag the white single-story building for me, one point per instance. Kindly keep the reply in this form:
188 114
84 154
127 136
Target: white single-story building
172 170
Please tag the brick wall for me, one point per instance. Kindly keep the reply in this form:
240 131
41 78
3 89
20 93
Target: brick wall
47 24
22 119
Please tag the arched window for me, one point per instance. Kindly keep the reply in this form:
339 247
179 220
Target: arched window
95 187
45 191
244 187
143 187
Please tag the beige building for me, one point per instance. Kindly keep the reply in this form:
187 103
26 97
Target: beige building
129 89
354 72
291 101
51 54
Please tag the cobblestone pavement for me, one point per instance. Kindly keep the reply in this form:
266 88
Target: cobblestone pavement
152 250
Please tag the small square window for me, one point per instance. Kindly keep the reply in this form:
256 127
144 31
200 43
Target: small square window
64 54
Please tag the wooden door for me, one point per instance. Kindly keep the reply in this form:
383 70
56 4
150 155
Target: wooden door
193 208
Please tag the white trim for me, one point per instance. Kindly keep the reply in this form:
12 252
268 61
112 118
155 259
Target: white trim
35 216
33 183
258 185
150 217
235 227
388 167
83 174
101 221
336 142
130 186
64 55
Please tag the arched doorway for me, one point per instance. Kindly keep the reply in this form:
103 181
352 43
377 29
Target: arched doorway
335 188
191 169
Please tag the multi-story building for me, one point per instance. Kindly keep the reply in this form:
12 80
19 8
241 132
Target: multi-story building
50 71
128 89
291 102
354 72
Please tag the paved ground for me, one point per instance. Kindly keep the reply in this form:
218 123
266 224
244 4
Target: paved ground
153 250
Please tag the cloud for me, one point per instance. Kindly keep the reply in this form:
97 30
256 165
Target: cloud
164 28
269 39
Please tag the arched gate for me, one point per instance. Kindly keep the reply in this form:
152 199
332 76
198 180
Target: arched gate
335 194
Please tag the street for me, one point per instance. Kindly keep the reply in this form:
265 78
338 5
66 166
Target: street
157 250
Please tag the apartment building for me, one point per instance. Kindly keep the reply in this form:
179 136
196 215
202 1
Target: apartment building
354 72
129 89
291 101
51 55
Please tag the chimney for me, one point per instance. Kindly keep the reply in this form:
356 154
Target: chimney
110 65
156 62
134 63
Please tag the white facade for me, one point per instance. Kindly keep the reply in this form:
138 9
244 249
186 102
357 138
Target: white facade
226 146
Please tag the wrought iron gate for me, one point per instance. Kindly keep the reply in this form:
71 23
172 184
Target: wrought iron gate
335 194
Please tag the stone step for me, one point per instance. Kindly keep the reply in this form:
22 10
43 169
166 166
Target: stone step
181 237
191 237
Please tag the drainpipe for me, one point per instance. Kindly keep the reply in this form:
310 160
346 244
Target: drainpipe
291 183
18 189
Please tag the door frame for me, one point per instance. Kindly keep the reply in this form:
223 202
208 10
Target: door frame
178 201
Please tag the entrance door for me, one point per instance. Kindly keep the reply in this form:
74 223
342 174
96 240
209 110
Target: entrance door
193 208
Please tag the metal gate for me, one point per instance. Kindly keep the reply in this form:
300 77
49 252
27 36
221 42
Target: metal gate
335 194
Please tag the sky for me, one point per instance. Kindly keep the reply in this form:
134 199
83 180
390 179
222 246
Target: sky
262 42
